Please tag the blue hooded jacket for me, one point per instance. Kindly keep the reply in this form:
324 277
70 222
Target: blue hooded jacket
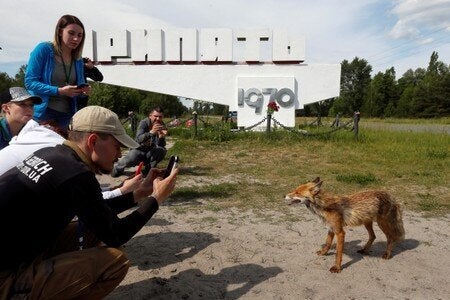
38 76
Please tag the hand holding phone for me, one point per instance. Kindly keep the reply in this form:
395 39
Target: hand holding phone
80 86
173 161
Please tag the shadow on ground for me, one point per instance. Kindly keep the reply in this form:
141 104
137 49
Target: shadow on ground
228 283
377 249
154 251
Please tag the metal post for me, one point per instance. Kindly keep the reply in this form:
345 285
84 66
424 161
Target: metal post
195 123
269 119
356 123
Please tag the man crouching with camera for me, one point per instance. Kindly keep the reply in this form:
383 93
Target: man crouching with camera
151 136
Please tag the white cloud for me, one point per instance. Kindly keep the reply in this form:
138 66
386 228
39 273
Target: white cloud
383 32
416 17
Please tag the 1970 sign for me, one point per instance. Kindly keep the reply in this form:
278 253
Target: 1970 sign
253 97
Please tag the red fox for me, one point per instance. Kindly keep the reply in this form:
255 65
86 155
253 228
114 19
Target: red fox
358 209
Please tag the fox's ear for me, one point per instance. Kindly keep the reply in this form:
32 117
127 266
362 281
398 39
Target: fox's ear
316 180
316 189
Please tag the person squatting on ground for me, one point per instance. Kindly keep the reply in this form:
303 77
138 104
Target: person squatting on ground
42 195
55 69
93 73
17 105
151 136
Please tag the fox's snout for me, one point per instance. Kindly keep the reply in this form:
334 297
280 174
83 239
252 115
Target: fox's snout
292 199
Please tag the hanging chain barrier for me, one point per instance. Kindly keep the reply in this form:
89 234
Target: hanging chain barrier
351 125
306 133
253 126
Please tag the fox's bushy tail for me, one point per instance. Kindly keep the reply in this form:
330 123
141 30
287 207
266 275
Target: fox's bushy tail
396 222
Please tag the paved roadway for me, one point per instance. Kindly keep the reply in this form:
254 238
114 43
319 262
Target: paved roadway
437 128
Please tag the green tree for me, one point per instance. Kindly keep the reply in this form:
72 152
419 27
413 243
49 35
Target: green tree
432 95
5 81
19 79
389 93
355 81
404 107
121 100
321 108
171 105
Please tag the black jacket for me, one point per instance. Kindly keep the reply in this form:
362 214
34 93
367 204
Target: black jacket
42 195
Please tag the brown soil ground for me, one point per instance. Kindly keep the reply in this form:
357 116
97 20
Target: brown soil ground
259 255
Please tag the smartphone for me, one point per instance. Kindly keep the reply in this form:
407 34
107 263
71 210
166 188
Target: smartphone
173 161
80 86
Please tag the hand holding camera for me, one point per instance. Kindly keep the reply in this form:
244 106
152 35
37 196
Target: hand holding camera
158 128
159 182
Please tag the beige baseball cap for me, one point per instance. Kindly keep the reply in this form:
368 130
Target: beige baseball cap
99 119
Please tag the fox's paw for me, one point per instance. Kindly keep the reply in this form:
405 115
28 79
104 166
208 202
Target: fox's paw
321 252
386 256
335 269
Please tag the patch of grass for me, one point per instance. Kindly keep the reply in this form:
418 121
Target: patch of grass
240 154
223 190
209 220
212 206
426 243
179 210
262 168
437 153
194 171
362 179
428 203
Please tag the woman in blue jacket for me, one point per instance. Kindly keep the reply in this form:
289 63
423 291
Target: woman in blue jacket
54 71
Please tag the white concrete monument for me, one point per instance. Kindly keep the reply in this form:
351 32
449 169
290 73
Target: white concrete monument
244 69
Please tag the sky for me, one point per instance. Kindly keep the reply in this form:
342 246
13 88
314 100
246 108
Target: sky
400 34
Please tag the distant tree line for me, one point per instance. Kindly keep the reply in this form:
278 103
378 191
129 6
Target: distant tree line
422 93
121 100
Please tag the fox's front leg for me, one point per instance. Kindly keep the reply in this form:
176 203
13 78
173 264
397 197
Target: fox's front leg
328 243
340 237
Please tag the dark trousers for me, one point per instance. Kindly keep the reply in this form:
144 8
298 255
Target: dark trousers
150 158
66 273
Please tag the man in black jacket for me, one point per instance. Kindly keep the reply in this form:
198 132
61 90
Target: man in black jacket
151 136
47 190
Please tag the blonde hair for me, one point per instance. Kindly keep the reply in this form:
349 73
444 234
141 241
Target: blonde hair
62 23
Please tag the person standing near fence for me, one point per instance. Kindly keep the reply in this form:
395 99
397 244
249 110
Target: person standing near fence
54 71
